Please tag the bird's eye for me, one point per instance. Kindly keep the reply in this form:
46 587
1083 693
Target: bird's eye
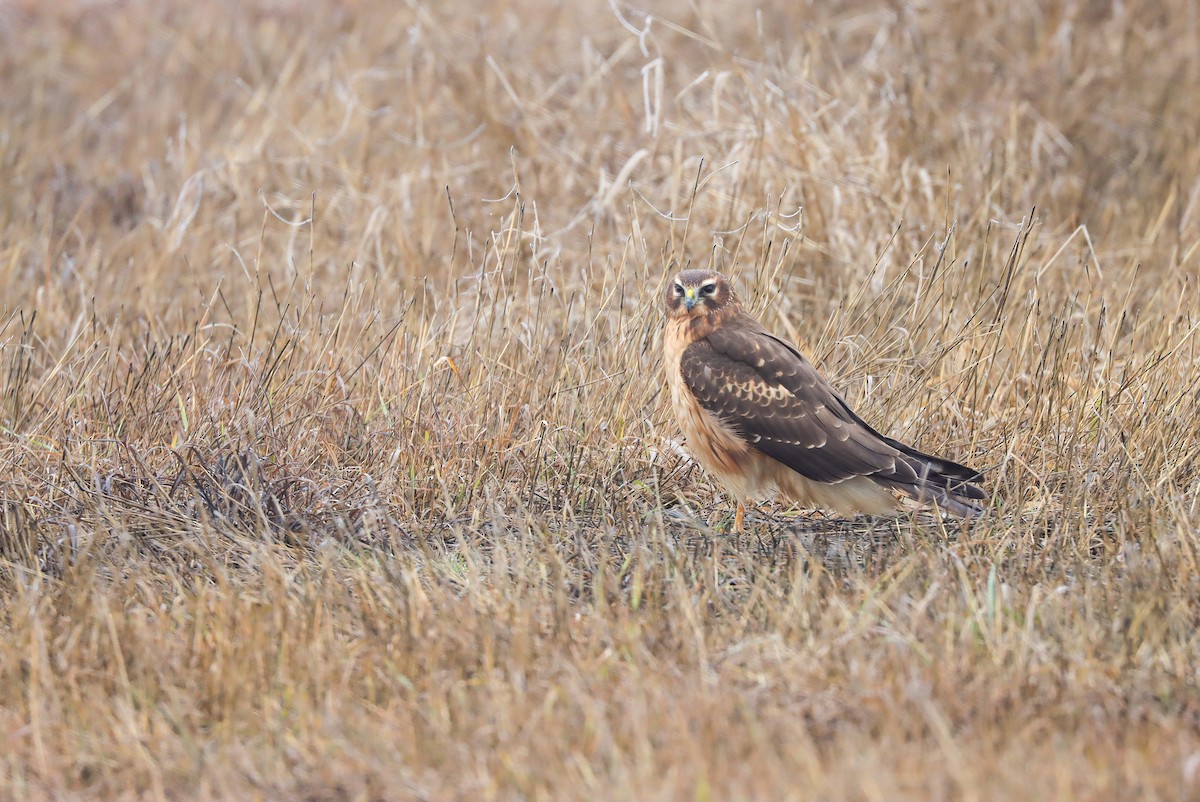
708 289
679 289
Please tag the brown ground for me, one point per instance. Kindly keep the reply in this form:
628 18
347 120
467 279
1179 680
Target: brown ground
334 462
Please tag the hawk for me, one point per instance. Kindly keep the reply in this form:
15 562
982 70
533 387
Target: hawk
758 416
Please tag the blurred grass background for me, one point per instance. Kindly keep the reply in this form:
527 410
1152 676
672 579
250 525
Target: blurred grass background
334 462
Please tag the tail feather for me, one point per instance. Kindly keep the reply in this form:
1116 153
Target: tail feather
947 484
941 481
944 467
953 500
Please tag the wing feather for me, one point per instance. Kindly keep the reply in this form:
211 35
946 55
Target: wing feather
778 403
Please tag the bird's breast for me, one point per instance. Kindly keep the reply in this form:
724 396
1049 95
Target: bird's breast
711 442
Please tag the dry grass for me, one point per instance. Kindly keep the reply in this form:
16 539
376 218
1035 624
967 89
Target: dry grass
334 463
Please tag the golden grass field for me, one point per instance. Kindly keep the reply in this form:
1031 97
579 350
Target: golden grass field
334 457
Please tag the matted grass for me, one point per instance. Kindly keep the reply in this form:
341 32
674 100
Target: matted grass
334 462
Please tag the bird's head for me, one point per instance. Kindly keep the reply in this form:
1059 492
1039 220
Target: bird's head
696 293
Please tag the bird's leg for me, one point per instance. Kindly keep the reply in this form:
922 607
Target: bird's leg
737 517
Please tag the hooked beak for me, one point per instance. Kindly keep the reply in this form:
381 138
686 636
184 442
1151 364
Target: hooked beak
689 298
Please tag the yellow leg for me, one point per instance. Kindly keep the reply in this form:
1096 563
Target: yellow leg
737 518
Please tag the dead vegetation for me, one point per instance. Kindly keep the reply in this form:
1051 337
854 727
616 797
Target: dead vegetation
333 462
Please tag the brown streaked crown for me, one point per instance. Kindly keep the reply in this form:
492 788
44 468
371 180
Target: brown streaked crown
708 290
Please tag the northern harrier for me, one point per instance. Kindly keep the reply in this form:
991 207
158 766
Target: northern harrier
759 417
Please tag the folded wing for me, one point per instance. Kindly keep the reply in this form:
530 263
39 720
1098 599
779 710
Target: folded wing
777 402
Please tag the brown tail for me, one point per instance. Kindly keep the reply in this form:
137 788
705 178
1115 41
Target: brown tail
950 485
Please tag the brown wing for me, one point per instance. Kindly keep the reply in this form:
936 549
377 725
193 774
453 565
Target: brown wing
770 394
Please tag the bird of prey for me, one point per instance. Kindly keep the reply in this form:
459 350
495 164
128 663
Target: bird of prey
758 416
